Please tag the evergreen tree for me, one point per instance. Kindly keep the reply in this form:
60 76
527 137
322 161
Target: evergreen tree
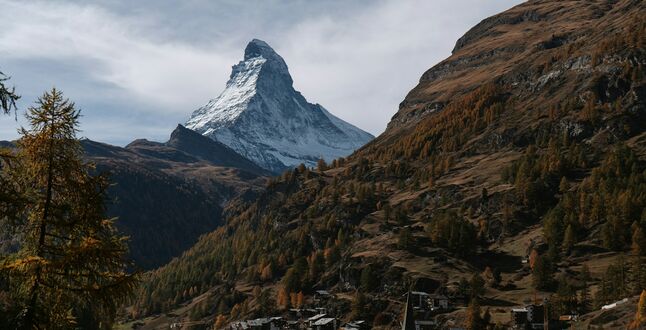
474 320
563 185
477 286
542 273
321 165
568 239
585 299
8 96
369 280
264 301
317 267
71 260
638 275
359 306
486 318
638 241
404 239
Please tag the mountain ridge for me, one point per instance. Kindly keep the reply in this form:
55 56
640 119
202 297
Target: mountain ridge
166 194
262 117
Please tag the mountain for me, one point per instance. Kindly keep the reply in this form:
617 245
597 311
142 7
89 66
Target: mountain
168 194
262 117
514 171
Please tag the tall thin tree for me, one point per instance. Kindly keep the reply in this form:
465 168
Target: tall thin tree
71 261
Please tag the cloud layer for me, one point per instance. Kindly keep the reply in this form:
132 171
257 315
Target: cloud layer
136 70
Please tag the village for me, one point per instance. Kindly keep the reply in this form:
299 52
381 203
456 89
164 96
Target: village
422 311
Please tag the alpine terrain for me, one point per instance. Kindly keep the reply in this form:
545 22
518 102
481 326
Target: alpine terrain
508 191
511 183
262 117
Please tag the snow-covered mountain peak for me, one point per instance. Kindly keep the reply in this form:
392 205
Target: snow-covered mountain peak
261 116
258 48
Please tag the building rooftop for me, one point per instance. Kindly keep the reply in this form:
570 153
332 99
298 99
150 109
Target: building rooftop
316 317
324 321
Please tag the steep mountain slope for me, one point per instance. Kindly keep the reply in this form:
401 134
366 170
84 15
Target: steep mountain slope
529 142
261 116
168 194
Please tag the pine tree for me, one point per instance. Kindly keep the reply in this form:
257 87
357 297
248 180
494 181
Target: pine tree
359 306
321 165
368 280
8 96
563 185
585 299
542 273
477 285
638 274
474 320
317 267
71 260
404 240
568 239
638 242
486 318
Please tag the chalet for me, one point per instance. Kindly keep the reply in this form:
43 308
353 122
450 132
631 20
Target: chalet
321 310
295 325
438 302
322 294
519 317
530 316
355 325
301 313
325 323
413 321
419 300
425 325
313 319
265 323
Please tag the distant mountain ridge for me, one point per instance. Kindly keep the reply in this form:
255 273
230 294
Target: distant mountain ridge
262 117
166 194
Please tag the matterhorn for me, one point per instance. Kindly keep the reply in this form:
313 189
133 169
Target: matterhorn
261 116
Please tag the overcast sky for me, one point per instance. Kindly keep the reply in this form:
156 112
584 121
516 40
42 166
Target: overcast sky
138 68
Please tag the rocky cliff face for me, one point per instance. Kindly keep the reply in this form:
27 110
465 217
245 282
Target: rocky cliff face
262 117
525 47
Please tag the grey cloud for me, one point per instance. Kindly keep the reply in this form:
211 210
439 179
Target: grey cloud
137 68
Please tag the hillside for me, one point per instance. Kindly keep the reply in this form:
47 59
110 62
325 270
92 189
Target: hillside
168 194
514 171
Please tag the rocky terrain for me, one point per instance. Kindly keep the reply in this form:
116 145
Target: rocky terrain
262 117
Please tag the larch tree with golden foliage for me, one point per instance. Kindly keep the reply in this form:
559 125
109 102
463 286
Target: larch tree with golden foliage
11 201
640 316
70 269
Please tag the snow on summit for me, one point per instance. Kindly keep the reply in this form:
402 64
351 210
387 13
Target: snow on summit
261 116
